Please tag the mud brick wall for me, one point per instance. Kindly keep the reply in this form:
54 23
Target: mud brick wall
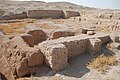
45 14
76 44
69 14
14 16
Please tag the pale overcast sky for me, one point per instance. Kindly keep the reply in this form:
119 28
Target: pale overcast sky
113 4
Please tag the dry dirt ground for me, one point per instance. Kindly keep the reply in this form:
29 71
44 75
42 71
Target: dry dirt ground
77 69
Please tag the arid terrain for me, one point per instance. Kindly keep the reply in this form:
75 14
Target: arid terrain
58 41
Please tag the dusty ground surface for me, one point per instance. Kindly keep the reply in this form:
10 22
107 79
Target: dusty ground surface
77 69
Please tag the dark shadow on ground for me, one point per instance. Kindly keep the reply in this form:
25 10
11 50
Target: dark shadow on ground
107 51
77 66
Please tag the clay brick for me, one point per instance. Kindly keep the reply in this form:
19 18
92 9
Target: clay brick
45 13
17 58
28 39
38 35
61 33
56 56
94 45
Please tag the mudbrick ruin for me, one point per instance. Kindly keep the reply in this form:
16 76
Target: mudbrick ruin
68 34
42 14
